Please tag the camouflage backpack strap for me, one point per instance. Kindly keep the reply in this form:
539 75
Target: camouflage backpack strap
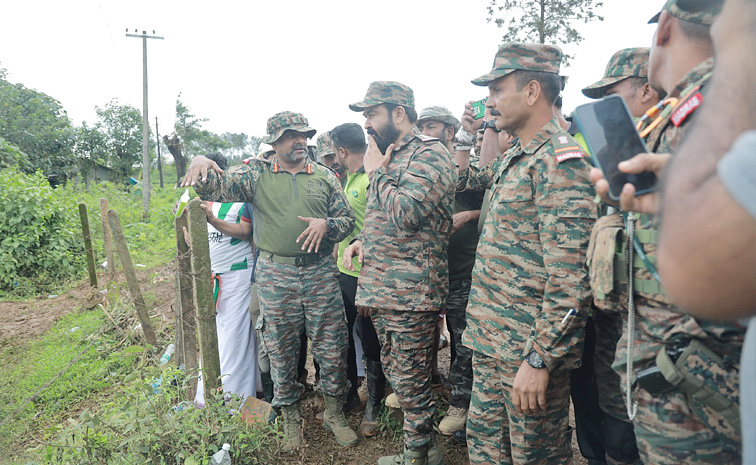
566 147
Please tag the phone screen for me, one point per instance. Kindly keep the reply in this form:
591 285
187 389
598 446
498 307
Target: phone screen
610 133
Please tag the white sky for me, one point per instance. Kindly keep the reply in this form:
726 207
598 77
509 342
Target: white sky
239 62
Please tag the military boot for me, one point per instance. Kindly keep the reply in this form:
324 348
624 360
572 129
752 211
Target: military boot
376 384
431 456
292 424
267 385
335 422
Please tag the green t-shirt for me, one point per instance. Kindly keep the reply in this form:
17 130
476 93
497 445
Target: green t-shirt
356 193
463 243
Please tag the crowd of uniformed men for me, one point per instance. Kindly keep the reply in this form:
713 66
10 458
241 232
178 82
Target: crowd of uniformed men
550 290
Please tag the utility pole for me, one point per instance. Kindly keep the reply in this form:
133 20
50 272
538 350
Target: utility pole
145 124
160 160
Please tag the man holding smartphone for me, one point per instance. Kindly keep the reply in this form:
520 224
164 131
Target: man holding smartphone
671 416
530 297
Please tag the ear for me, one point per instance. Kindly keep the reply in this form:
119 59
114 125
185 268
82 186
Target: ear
450 133
664 28
340 153
533 92
647 93
399 114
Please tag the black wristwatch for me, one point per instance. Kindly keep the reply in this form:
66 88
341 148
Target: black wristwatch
330 224
490 124
535 360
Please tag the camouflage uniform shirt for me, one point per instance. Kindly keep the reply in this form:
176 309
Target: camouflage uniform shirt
530 265
406 231
278 197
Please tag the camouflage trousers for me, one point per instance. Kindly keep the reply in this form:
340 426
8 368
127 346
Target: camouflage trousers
672 430
302 298
460 374
406 354
608 333
497 434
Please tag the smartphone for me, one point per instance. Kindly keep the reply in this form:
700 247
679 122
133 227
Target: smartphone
610 133
479 108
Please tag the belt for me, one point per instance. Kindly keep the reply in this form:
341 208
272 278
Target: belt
298 260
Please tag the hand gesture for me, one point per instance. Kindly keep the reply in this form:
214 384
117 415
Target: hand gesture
314 233
355 248
374 159
198 169
469 123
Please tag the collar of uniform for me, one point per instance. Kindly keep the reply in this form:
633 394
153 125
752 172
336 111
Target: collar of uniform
406 139
695 74
308 168
544 135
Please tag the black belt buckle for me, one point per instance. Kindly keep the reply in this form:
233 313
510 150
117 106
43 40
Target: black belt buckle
300 260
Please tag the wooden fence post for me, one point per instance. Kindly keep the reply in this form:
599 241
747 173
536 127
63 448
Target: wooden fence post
128 270
203 296
107 239
188 344
87 234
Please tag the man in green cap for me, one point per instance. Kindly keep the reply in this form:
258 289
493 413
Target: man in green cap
530 297
403 250
603 429
300 211
679 373
439 122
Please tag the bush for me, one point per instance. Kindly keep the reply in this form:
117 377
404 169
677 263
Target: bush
40 243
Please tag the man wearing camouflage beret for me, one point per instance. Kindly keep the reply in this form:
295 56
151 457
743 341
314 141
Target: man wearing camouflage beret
530 296
403 250
439 122
680 378
326 155
300 212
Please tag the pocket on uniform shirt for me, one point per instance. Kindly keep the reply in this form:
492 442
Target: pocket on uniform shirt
575 219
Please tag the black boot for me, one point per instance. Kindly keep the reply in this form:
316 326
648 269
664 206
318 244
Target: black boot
267 385
376 389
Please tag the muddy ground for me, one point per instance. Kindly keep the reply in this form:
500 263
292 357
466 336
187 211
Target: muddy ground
22 321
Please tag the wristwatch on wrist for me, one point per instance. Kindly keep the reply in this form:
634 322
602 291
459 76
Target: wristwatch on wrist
490 124
535 360
330 224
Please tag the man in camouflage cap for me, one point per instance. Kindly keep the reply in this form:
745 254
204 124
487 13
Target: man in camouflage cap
530 297
327 156
626 75
300 211
403 250
439 122
695 422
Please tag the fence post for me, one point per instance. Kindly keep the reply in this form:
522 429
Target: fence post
108 239
188 332
128 270
203 296
87 234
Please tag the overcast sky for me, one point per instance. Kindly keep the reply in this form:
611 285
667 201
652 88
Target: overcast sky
239 62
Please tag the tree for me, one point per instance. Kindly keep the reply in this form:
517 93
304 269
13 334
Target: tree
240 146
121 126
12 156
544 21
90 148
39 127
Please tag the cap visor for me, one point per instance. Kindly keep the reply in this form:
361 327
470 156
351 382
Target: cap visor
598 89
655 19
491 76
367 103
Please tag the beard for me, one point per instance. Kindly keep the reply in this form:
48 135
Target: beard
387 135
290 156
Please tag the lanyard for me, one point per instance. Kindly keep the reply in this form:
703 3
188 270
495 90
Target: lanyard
658 112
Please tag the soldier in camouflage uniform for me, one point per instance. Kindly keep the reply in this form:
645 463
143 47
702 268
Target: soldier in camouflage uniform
530 297
327 156
683 370
300 211
439 122
626 75
403 250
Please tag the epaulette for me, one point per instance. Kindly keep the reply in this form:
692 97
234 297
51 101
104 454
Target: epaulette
252 160
425 138
565 147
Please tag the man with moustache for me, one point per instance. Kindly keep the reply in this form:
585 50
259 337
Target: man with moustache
439 122
530 296
300 211
403 250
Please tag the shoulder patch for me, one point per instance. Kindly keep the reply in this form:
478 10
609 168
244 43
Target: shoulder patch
686 107
425 138
565 147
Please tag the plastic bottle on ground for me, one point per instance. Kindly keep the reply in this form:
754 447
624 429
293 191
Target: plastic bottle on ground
166 357
222 457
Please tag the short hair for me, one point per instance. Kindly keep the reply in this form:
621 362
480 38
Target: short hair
411 112
349 136
551 84
558 102
696 32
636 82
218 158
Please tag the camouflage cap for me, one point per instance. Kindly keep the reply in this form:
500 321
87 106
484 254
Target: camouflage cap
284 121
324 146
441 114
526 57
630 62
695 11
386 92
